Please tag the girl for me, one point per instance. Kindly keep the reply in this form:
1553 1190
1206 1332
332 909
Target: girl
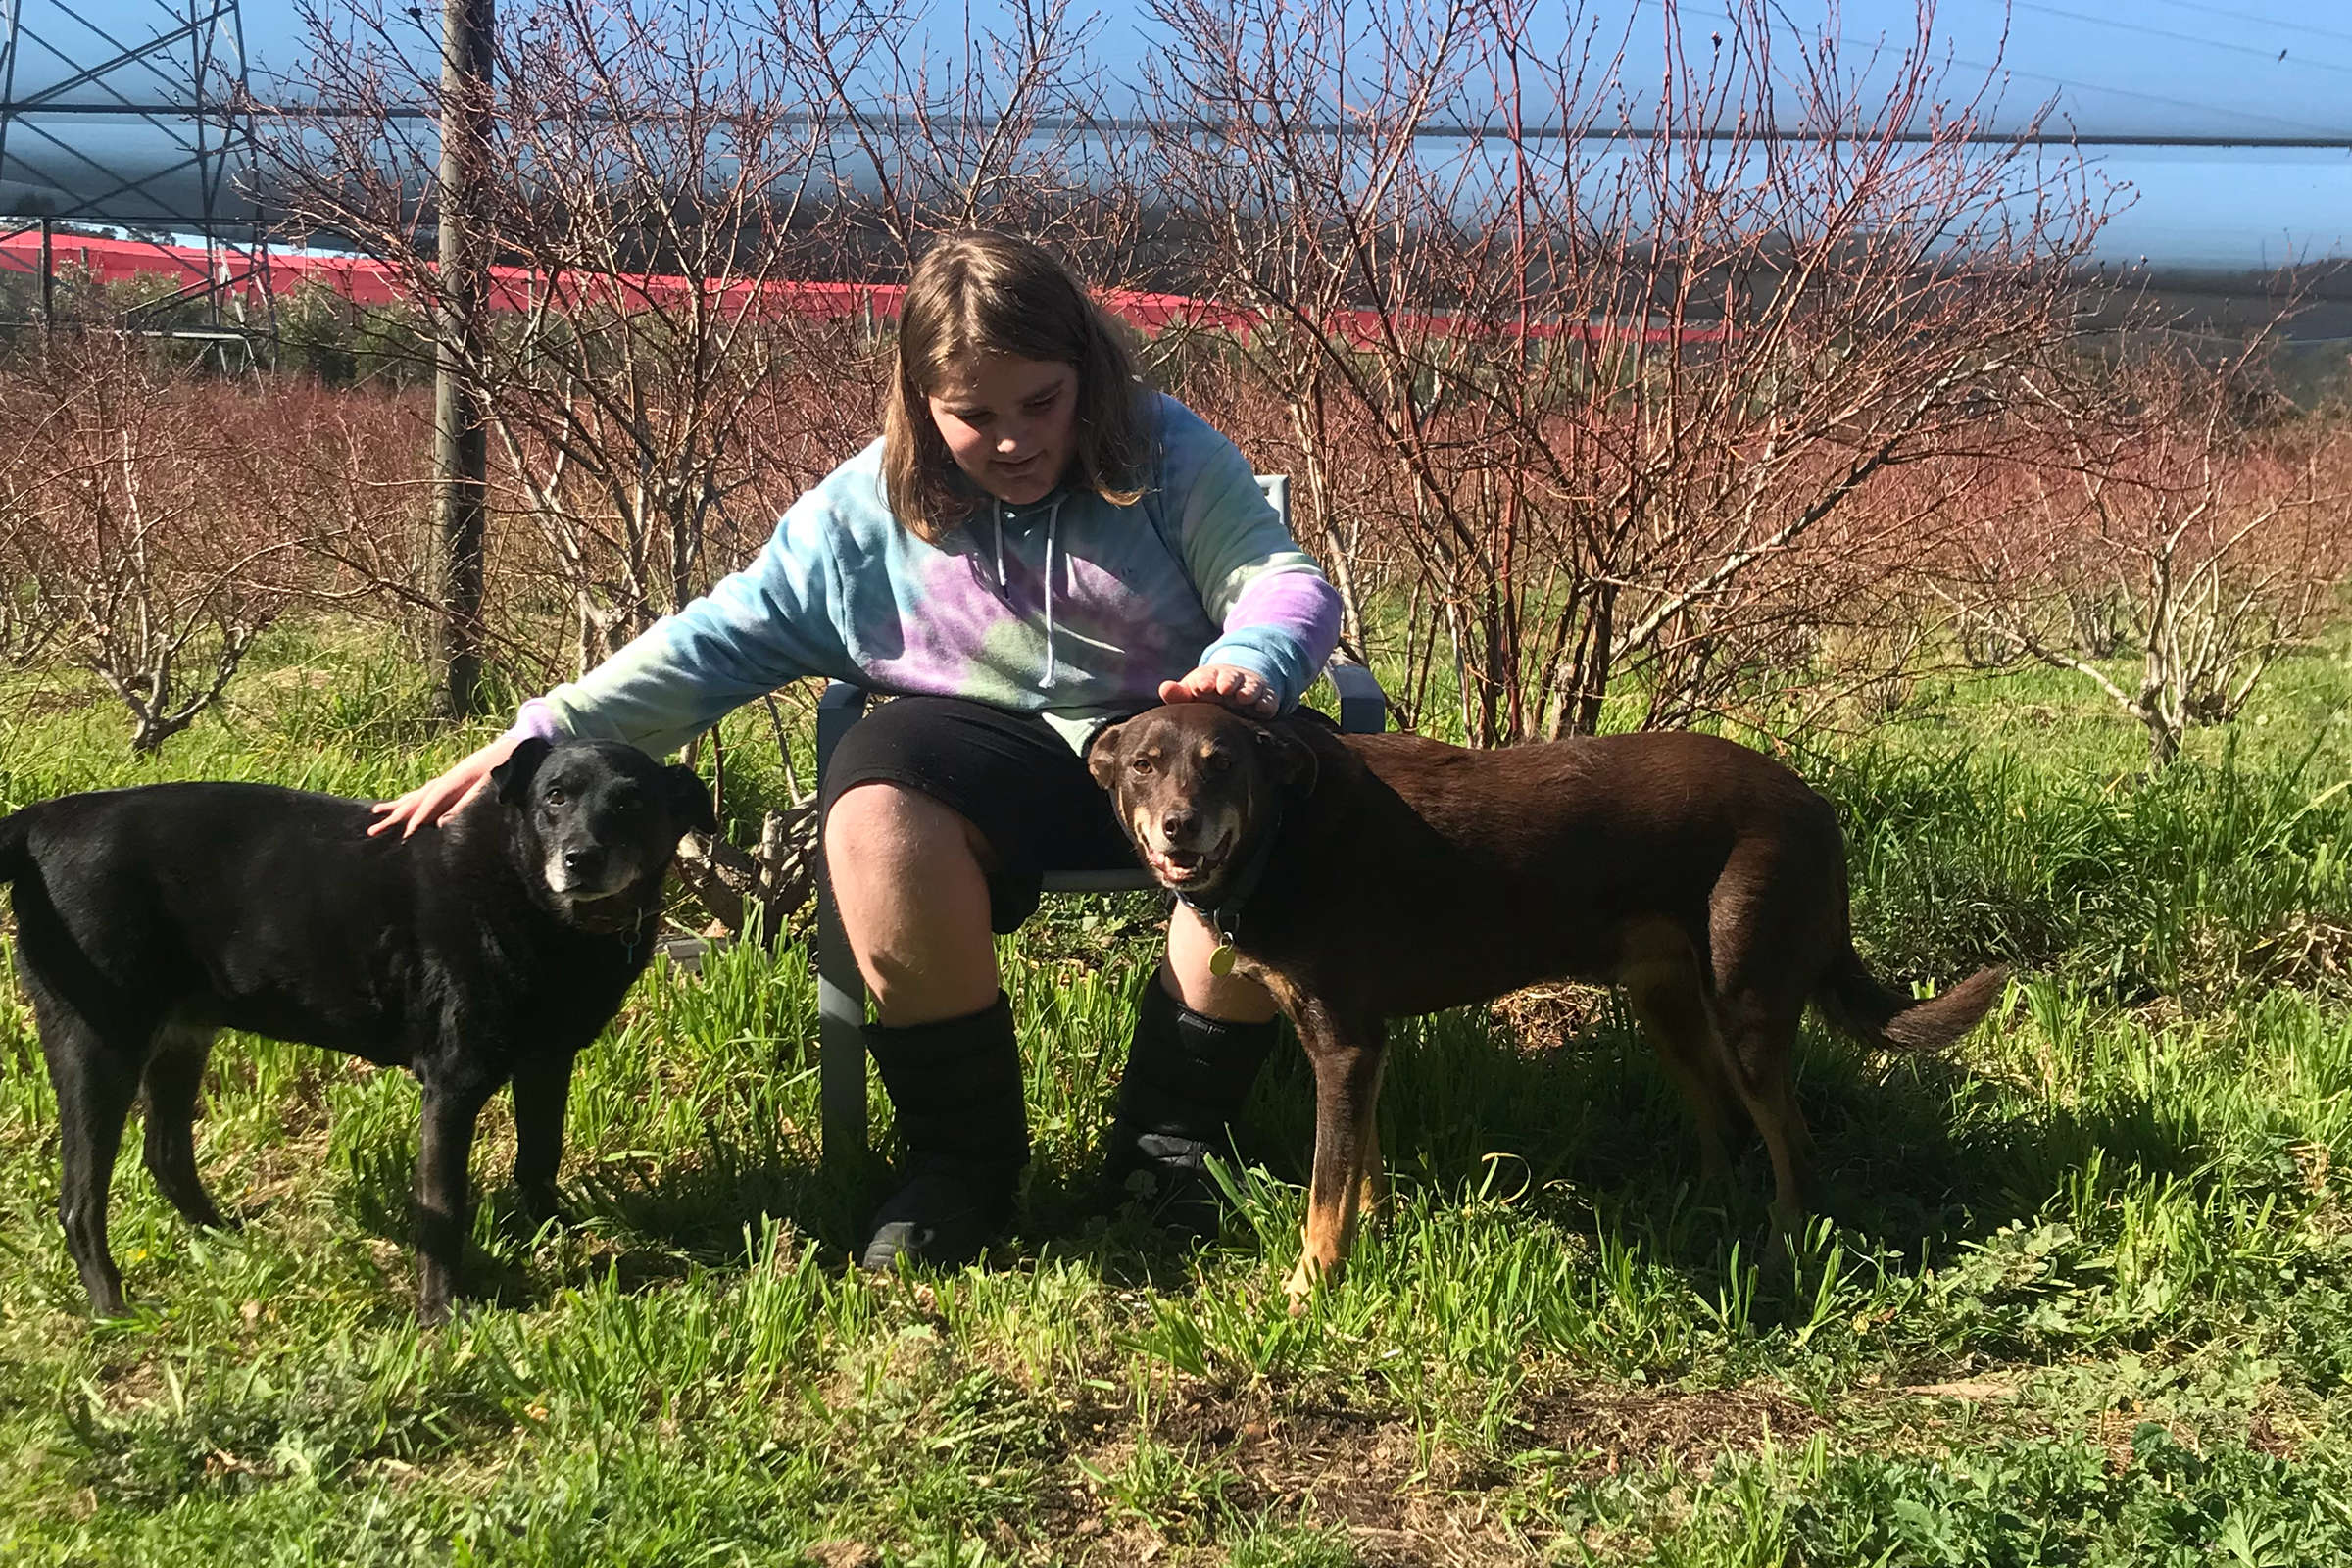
1036 547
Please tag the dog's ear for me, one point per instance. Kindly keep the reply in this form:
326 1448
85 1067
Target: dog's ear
1290 756
1106 755
690 798
514 775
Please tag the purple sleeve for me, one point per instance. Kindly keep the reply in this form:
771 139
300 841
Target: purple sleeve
536 718
1283 625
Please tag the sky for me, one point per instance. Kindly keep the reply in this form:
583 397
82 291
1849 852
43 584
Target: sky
2182 68
2133 67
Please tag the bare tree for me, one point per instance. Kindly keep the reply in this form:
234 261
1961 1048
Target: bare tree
646 383
666 184
1003 127
667 188
1621 379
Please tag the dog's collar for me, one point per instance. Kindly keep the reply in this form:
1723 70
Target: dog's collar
630 931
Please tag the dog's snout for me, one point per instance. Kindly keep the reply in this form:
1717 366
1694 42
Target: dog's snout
577 859
1177 822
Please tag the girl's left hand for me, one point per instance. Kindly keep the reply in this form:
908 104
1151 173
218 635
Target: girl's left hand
1244 691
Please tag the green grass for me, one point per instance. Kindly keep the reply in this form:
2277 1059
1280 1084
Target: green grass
2080 1291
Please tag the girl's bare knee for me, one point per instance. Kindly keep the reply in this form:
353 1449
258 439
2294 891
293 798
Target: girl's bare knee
889 823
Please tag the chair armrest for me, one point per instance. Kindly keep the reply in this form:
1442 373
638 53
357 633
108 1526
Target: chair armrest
842 705
1363 706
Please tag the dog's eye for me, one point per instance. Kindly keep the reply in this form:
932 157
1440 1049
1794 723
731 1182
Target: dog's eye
556 796
1142 765
1215 762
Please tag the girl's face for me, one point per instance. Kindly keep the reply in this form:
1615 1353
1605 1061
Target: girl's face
1006 422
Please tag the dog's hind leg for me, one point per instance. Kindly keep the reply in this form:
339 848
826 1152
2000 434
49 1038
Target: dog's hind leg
1765 926
173 1079
1346 1059
96 1080
1670 1000
1372 1187
1758 1038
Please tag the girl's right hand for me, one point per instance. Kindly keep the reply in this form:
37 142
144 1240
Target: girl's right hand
428 803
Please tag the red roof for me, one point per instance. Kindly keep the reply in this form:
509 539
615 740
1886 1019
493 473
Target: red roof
511 288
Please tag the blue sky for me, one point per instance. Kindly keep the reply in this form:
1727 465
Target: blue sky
2201 68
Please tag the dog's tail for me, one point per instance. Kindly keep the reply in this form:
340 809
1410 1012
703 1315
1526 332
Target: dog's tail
1858 1004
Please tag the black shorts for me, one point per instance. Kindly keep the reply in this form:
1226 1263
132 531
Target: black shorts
1010 775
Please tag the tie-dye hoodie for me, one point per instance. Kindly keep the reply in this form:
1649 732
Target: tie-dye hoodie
1069 607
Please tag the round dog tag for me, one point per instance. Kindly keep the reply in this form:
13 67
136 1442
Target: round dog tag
1220 963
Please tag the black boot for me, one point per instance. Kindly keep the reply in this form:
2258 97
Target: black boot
1187 1077
962 1135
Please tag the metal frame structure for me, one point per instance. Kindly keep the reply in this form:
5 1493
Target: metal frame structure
140 123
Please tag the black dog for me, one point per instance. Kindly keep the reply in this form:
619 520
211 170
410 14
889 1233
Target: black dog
488 951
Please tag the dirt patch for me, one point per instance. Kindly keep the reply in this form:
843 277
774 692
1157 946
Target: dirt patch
844 1554
1608 1427
2282 1437
1364 1472
1327 1466
1976 1390
1288 1456
45 701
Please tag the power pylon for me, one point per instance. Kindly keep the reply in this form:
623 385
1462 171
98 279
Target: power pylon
130 114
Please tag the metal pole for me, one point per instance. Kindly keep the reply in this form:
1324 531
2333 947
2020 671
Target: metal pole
840 988
48 277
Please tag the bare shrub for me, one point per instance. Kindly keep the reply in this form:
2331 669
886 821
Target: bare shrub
153 521
2166 529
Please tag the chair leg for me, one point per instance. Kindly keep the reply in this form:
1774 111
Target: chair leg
840 1037
840 988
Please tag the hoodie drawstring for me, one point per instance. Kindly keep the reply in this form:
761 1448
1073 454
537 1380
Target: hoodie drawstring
1052 518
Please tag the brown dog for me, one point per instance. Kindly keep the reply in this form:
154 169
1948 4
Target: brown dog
1362 877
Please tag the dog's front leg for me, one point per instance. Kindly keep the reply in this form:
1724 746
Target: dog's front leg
541 1086
1346 1059
442 1190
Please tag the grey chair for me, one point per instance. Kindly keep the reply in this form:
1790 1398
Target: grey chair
841 989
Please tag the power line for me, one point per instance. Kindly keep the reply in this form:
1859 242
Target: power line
2258 52
2258 18
1111 125
2313 135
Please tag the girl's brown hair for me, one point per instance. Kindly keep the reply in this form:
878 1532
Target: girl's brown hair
985 292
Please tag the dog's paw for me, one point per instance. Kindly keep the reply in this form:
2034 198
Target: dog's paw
1777 1263
1299 1288
454 1312
538 1206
